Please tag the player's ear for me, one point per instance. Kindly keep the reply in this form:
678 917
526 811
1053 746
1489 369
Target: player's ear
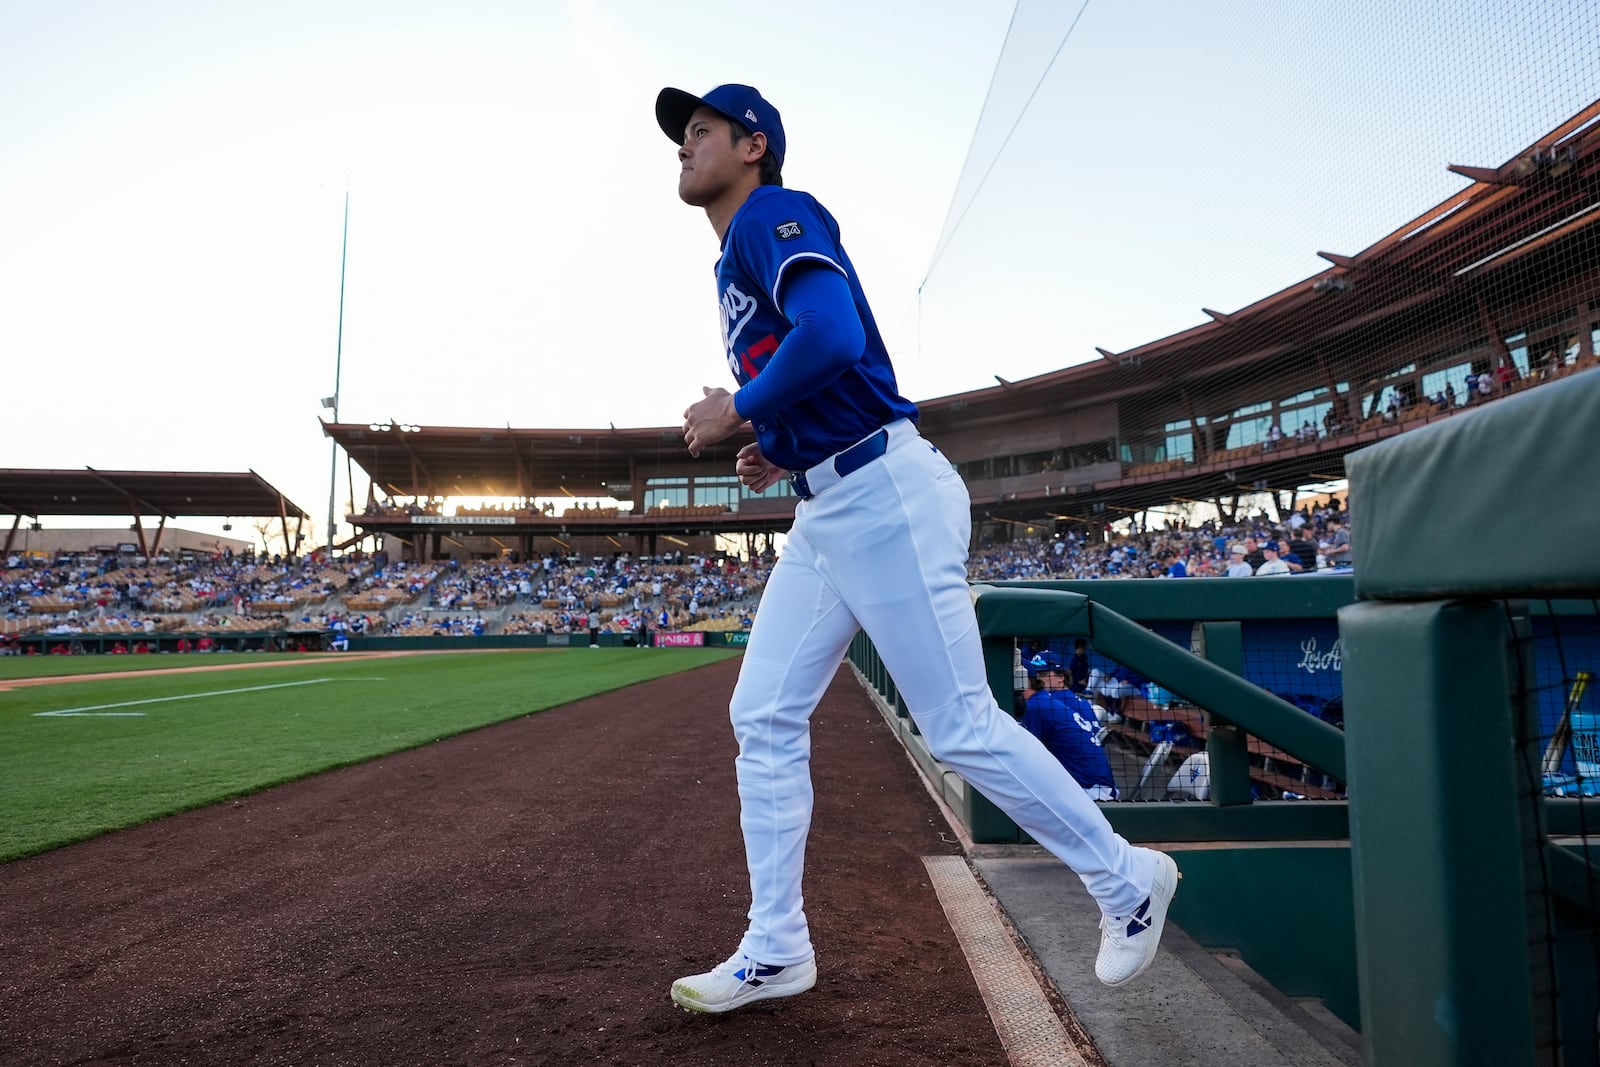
757 147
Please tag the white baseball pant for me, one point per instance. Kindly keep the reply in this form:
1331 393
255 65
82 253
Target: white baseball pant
884 550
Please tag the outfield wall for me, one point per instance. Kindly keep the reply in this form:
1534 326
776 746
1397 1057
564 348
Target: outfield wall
318 641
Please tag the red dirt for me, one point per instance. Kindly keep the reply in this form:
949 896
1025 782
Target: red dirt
523 894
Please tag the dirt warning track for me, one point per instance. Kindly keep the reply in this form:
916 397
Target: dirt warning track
522 894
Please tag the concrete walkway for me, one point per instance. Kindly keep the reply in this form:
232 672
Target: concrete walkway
1192 1008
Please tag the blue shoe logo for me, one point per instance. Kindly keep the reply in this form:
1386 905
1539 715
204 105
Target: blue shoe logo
760 973
1139 921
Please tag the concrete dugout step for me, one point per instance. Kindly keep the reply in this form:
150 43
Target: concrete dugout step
1194 1007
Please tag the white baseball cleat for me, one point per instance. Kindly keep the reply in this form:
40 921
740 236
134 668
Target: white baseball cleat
1128 943
740 981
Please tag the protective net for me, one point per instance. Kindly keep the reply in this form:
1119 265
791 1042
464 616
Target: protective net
1155 741
1220 248
1556 659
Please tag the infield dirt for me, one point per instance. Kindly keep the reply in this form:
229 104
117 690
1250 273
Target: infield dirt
521 894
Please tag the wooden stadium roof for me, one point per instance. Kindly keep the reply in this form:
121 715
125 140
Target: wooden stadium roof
1498 242
169 494
508 462
1518 224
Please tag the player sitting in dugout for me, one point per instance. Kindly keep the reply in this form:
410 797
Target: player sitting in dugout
1068 724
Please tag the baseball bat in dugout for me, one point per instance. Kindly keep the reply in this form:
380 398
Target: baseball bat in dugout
1557 748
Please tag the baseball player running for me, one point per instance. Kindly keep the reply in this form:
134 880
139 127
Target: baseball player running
879 543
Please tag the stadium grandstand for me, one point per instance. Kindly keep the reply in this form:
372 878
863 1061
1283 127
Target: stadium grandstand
1246 419
1492 291
166 495
152 591
115 602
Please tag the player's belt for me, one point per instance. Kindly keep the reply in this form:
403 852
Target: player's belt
808 483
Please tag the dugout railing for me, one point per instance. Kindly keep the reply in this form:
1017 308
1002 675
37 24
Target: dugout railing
1217 645
1272 880
1466 908
1466 657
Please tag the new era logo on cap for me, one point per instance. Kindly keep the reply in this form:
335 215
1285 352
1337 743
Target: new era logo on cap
750 117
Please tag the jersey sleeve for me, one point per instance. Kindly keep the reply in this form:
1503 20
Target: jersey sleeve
783 233
827 338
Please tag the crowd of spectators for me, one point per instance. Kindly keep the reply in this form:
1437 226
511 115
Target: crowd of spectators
1309 540
624 595
370 594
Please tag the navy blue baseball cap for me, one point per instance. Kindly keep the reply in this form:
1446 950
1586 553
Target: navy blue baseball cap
674 108
1044 661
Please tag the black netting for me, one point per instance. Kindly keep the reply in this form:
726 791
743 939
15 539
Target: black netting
1155 740
1556 661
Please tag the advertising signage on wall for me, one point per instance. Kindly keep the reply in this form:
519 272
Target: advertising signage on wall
687 640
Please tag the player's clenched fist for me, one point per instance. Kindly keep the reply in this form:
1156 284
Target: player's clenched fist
756 471
710 419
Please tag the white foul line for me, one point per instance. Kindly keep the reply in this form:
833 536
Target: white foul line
99 709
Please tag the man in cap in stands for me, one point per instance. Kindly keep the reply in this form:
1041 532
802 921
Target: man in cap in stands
1273 561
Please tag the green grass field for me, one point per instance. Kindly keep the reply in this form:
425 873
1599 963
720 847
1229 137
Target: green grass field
86 757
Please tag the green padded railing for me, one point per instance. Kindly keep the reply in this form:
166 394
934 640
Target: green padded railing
1210 681
1273 880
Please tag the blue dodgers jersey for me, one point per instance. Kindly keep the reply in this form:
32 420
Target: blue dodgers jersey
775 232
1067 725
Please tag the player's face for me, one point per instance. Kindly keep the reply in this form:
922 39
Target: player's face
712 164
1052 679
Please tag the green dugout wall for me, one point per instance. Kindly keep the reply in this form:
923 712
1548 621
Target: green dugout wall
1474 902
1462 915
1270 879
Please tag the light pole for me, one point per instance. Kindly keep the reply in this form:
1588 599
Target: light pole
338 366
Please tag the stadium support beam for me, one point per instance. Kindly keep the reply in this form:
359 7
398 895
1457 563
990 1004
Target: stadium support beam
1340 401
419 470
138 529
524 482
291 547
136 504
1202 447
1486 175
1218 316
1497 338
1337 260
